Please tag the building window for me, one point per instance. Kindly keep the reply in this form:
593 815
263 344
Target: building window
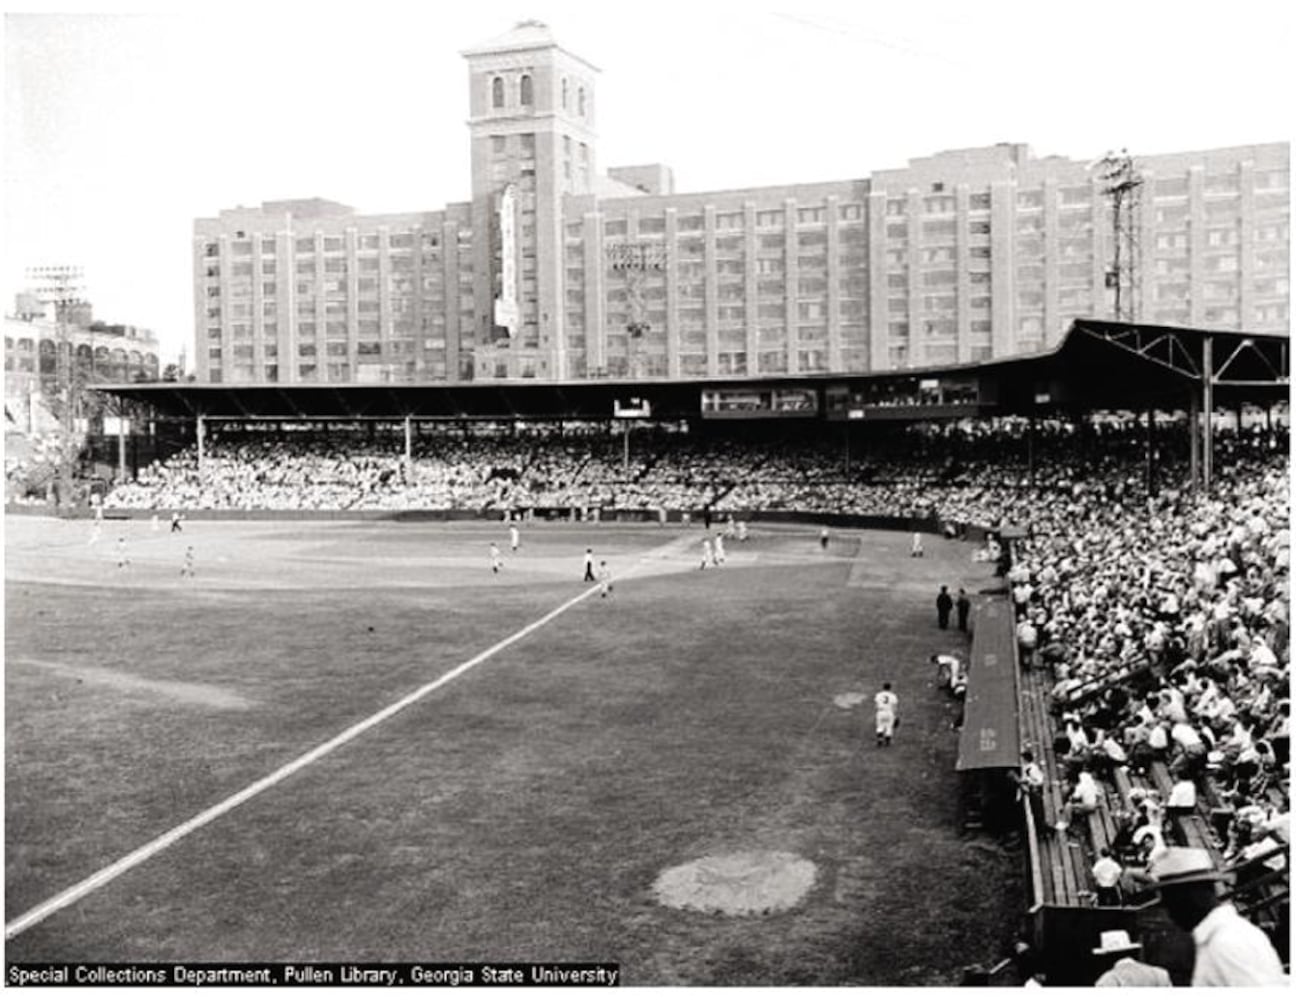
564 93
497 92
525 95
580 101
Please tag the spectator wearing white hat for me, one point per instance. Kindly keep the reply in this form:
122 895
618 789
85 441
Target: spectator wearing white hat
1125 968
1230 950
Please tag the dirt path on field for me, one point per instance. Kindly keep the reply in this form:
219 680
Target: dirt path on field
206 695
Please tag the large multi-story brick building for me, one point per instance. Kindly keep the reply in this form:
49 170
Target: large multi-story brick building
555 270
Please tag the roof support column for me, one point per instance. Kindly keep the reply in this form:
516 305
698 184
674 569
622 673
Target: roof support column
121 441
202 439
1194 440
409 447
1208 406
1149 454
1030 450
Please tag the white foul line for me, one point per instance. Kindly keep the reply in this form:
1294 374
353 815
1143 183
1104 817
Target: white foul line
142 854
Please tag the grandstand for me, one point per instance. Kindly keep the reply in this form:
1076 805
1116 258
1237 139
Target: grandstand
1153 559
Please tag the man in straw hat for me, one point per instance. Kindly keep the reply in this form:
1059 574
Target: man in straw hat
1230 950
1123 967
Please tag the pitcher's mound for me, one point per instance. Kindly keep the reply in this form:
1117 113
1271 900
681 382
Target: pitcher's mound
737 884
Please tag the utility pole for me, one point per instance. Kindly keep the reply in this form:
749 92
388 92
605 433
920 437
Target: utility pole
59 285
1122 186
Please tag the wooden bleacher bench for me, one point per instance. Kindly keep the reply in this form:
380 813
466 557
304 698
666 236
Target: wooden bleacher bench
1124 675
1064 872
1121 779
1195 828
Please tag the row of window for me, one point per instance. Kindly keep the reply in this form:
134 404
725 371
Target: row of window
331 243
525 89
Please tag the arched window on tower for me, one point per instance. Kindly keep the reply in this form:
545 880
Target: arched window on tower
497 92
564 93
524 89
580 101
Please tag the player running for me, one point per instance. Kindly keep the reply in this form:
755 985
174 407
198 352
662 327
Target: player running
497 560
708 557
515 537
605 579
187 569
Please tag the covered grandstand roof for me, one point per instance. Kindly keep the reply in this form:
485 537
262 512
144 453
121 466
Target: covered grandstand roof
1097 365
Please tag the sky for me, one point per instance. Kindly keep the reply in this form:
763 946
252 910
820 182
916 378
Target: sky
121 129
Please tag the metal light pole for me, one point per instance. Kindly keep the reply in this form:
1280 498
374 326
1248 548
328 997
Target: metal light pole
59 285
1122 184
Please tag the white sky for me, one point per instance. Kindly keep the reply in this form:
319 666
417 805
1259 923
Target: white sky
120 129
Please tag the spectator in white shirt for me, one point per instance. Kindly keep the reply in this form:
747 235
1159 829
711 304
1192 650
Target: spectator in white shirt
1107 873
1083 800
1230 951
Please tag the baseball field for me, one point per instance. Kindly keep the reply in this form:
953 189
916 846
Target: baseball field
354 741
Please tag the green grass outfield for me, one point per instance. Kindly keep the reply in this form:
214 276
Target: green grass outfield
522 810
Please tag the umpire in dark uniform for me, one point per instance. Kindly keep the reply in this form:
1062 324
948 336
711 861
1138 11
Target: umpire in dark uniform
964 606
944 604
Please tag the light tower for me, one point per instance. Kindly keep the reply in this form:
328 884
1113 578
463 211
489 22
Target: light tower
634 259
1122 187
60 286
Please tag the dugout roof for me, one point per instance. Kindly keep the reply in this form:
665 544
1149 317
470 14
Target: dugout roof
1097 365
991 737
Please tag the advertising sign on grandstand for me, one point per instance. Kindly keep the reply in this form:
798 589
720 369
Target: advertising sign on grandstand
905 397
756 402
634 409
